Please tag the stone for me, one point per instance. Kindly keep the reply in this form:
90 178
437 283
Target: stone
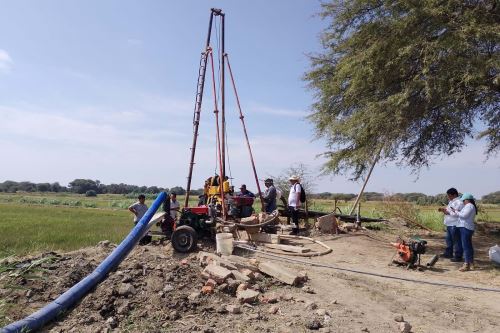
211 283
404 327
258 276
194 295
29 293
270 298
321 312
122 308
241 287
324 330
399 318
279 272
126 289
303 276
308 290
313 324
310 305
206 258
173 315
168 288
233 309
240 276
327 223
218 273
273 309
242 263
265 238
286 297
112 322
184 262
247 296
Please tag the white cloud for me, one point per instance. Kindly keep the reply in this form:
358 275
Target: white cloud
5 61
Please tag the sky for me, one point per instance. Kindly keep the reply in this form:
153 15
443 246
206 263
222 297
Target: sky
105 90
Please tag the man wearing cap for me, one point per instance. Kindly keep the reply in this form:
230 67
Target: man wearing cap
294 202
269 196
245 193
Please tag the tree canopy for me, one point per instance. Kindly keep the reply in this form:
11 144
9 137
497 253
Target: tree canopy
409 79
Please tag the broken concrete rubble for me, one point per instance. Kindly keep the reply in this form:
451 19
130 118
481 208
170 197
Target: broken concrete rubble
279 272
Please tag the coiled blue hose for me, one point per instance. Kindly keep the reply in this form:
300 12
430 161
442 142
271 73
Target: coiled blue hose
75 293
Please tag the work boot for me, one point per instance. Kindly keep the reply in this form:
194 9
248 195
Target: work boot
465 267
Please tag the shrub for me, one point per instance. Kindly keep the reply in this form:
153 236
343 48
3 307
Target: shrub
91 193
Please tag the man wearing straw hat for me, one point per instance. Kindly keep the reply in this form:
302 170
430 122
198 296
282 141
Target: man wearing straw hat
294 202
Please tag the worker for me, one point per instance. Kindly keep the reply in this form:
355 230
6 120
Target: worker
245 205
453 240
294 202
244 192
174 205
139 208
269 196
466 226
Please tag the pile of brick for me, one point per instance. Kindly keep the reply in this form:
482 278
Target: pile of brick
238 276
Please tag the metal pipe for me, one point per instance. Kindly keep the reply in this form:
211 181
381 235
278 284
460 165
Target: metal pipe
200 85
69 298
245 131
218 139
223 98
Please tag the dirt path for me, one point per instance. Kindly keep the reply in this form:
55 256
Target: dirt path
155 290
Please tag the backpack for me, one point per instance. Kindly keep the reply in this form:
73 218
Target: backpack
302 194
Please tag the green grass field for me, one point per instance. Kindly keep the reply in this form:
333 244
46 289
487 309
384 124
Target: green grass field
35 222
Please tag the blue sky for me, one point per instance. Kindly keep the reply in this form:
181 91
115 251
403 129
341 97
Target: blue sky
105 90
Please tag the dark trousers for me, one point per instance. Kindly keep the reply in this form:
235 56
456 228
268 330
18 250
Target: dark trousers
294 212
453 242
270 207
466 237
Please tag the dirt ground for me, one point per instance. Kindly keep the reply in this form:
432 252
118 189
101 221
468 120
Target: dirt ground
157 290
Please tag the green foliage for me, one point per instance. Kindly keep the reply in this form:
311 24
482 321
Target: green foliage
407 79
91 193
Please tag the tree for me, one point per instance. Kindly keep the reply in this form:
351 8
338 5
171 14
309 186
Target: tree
306 179
83 185
408 79
178 190
492 198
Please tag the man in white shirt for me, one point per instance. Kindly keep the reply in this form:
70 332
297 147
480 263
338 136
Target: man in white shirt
294 202
453 241
139 208
174 205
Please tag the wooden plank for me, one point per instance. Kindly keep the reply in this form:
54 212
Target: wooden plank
288 248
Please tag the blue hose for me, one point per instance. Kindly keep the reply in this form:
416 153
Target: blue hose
75 293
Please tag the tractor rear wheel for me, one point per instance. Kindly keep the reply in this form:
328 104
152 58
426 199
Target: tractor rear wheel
184 239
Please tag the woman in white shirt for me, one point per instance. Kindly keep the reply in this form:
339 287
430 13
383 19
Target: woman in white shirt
466 226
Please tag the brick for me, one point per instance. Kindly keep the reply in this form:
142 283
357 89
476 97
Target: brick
218 273
211 282
207 290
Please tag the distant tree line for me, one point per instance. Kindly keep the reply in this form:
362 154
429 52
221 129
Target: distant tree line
415 197
83 186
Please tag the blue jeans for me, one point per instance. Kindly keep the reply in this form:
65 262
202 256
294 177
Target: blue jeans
270 207
466 237
453 241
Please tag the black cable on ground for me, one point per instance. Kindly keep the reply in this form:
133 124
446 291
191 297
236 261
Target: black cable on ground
433 283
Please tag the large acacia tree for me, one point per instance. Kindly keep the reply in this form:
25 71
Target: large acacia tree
409 79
